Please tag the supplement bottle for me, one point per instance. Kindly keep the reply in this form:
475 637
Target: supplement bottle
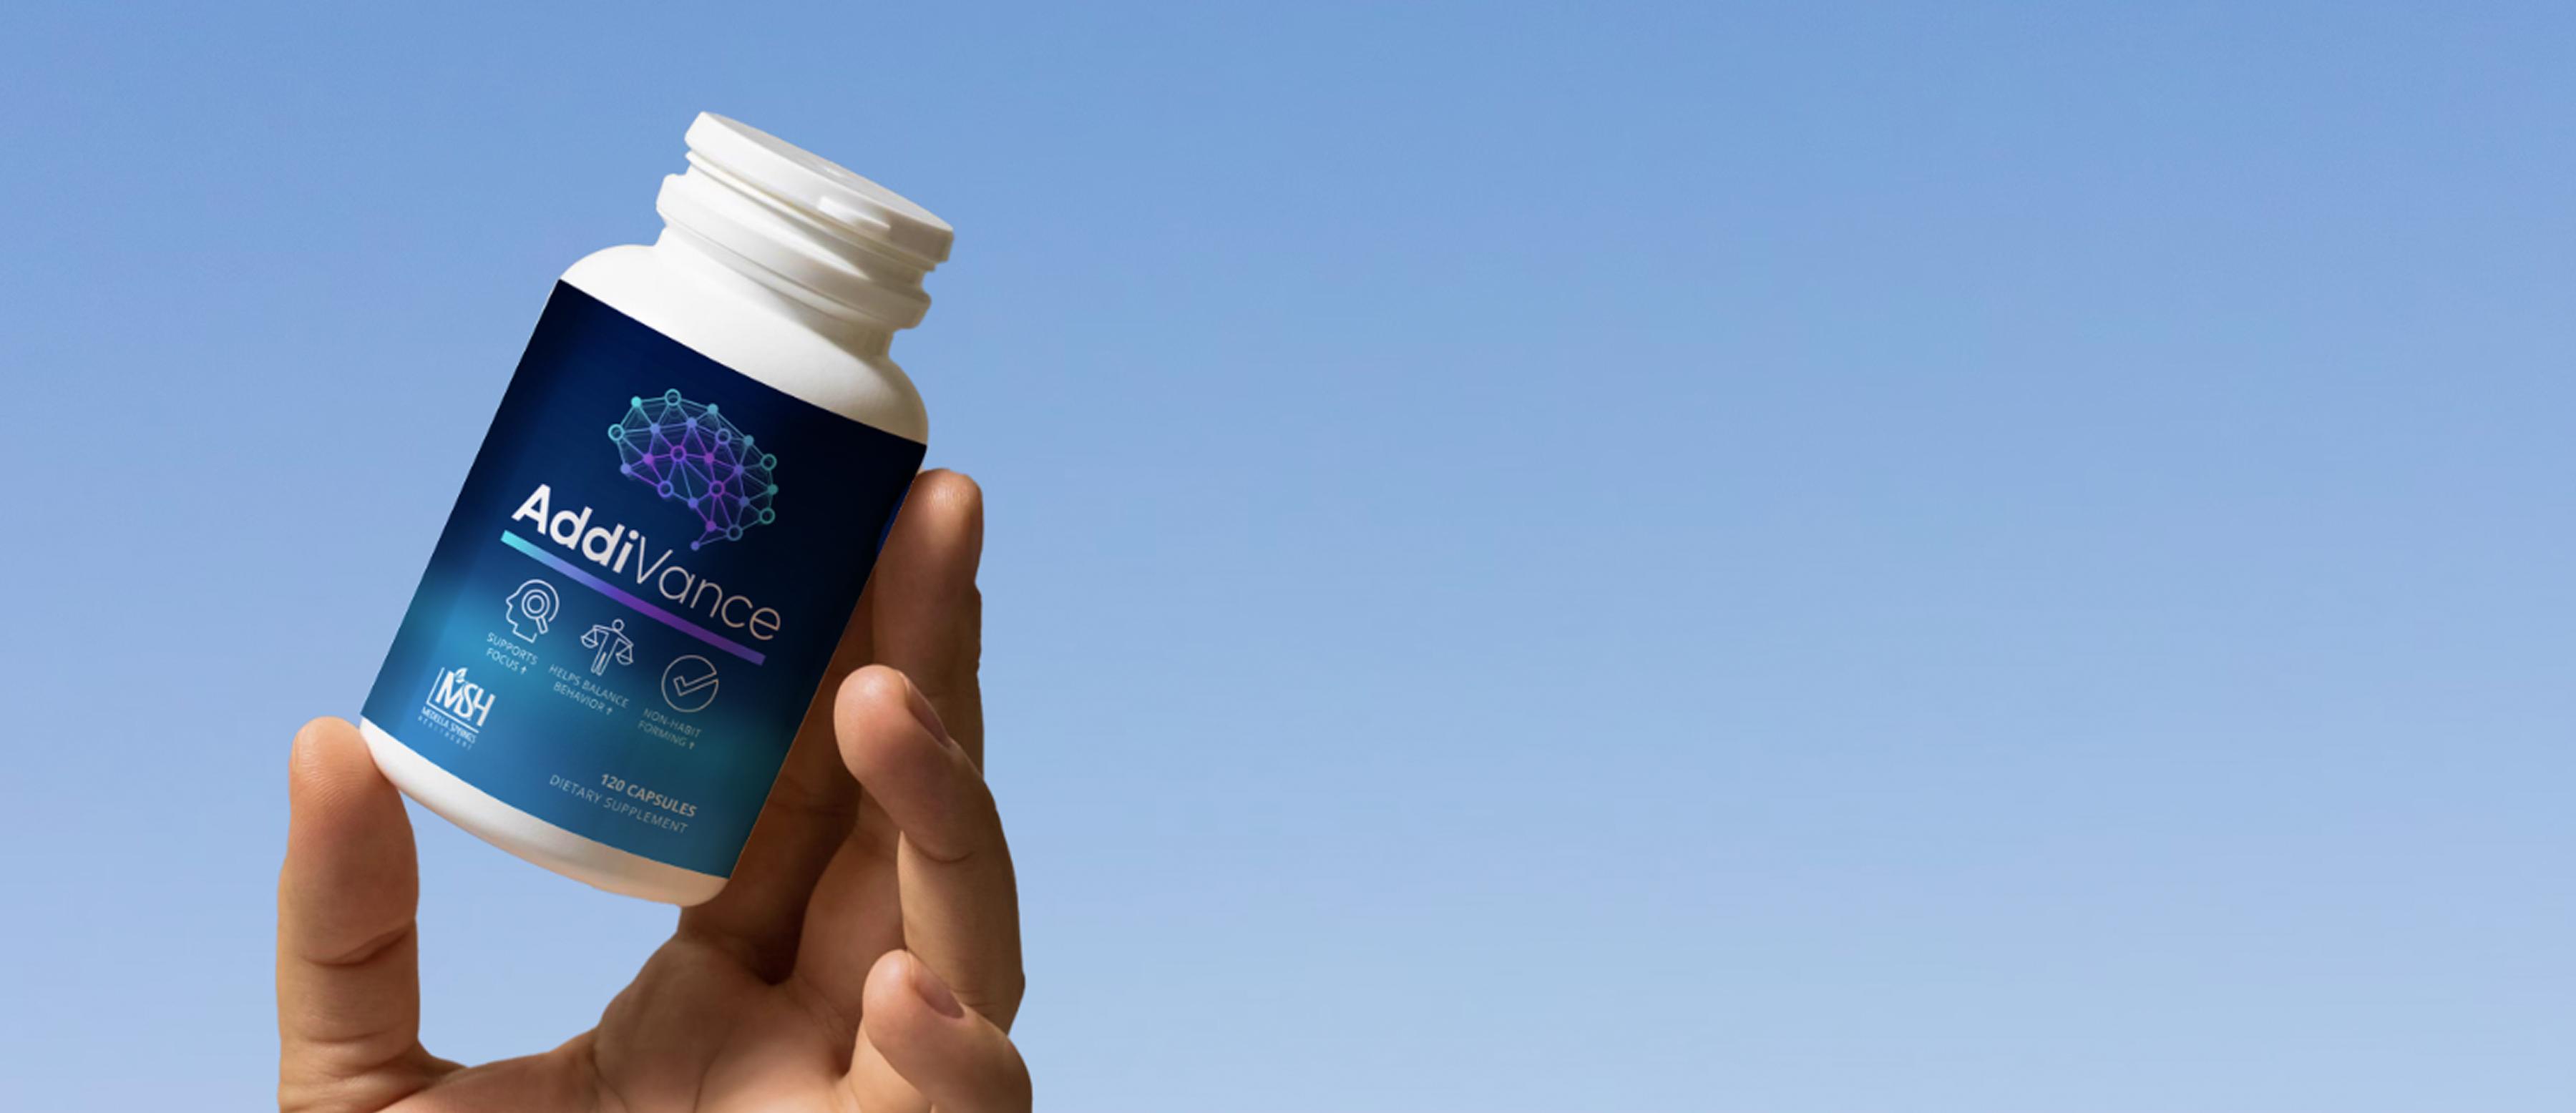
668 525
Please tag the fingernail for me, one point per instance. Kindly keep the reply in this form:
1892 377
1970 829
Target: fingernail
922 709
931 990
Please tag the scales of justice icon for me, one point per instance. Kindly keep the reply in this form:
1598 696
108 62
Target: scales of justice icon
610 639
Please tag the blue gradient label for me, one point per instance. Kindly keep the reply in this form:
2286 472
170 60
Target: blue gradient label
619 633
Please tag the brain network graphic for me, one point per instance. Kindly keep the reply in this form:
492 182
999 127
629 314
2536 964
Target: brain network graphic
692 455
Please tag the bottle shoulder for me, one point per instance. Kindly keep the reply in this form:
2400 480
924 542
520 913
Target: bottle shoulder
756 340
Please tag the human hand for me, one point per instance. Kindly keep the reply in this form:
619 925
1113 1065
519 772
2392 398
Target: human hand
865 956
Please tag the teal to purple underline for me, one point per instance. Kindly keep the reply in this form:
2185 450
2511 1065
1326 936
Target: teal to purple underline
610 590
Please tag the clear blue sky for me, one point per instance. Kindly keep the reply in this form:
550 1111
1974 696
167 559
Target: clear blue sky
1776 557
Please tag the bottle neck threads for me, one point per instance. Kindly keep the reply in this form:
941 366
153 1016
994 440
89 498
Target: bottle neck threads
828 240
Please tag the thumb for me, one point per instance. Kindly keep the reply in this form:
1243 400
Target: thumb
348 961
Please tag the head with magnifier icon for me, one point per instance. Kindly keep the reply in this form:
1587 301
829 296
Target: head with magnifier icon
532 609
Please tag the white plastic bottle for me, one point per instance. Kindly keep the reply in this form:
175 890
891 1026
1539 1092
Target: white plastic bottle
668 525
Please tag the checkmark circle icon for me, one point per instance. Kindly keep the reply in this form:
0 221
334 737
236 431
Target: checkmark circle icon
689 684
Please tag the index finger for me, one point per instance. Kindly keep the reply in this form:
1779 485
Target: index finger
929 617
959 895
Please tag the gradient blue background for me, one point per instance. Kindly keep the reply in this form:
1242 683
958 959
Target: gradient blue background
1544 556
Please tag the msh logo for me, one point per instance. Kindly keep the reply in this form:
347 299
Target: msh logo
456 705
